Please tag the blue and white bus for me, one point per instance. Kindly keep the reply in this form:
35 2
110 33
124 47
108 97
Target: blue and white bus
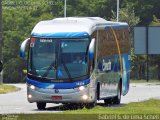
77 60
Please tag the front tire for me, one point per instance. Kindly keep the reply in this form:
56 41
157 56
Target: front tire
41 106
94 103
91 105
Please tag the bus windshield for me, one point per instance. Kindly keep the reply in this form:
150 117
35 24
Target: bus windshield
59 59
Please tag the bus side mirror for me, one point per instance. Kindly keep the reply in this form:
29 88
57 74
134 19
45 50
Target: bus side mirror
1 66
91 49
23 48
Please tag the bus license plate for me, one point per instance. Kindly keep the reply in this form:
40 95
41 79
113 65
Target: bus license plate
56 97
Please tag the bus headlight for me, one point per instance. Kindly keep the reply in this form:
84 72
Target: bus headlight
32 87
80 88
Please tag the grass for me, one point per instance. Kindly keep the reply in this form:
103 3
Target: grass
143 110
147 107
7 88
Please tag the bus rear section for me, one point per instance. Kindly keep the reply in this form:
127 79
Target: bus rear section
113 62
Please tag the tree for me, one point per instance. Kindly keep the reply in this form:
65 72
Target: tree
19 17
155 59
18 22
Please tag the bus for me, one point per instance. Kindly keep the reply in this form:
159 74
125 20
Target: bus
77 60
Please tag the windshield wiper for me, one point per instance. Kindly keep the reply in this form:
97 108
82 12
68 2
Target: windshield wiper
67 71
52 65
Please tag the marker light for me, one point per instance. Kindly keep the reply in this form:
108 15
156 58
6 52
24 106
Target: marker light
85 97
32 87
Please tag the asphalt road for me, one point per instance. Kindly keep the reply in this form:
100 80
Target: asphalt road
16 102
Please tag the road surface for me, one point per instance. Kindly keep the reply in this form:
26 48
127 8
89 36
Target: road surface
16 102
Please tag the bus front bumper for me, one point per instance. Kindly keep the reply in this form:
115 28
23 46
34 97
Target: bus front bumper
86 95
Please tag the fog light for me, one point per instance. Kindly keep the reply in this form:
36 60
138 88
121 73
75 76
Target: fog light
29 96
85 97
32 87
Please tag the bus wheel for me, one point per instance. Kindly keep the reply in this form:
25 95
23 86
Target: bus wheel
72 106
117 99
108 101
41 105
91 105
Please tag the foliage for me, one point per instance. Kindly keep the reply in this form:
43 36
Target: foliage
20 16
155 22
17 26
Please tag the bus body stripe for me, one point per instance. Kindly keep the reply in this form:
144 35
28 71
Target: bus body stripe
57 85
61 34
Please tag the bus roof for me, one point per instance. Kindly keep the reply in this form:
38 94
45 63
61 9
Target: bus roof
73 27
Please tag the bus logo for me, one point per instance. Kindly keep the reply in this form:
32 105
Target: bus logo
56 91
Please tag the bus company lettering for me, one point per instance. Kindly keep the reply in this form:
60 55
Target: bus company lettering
106 66
46 40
